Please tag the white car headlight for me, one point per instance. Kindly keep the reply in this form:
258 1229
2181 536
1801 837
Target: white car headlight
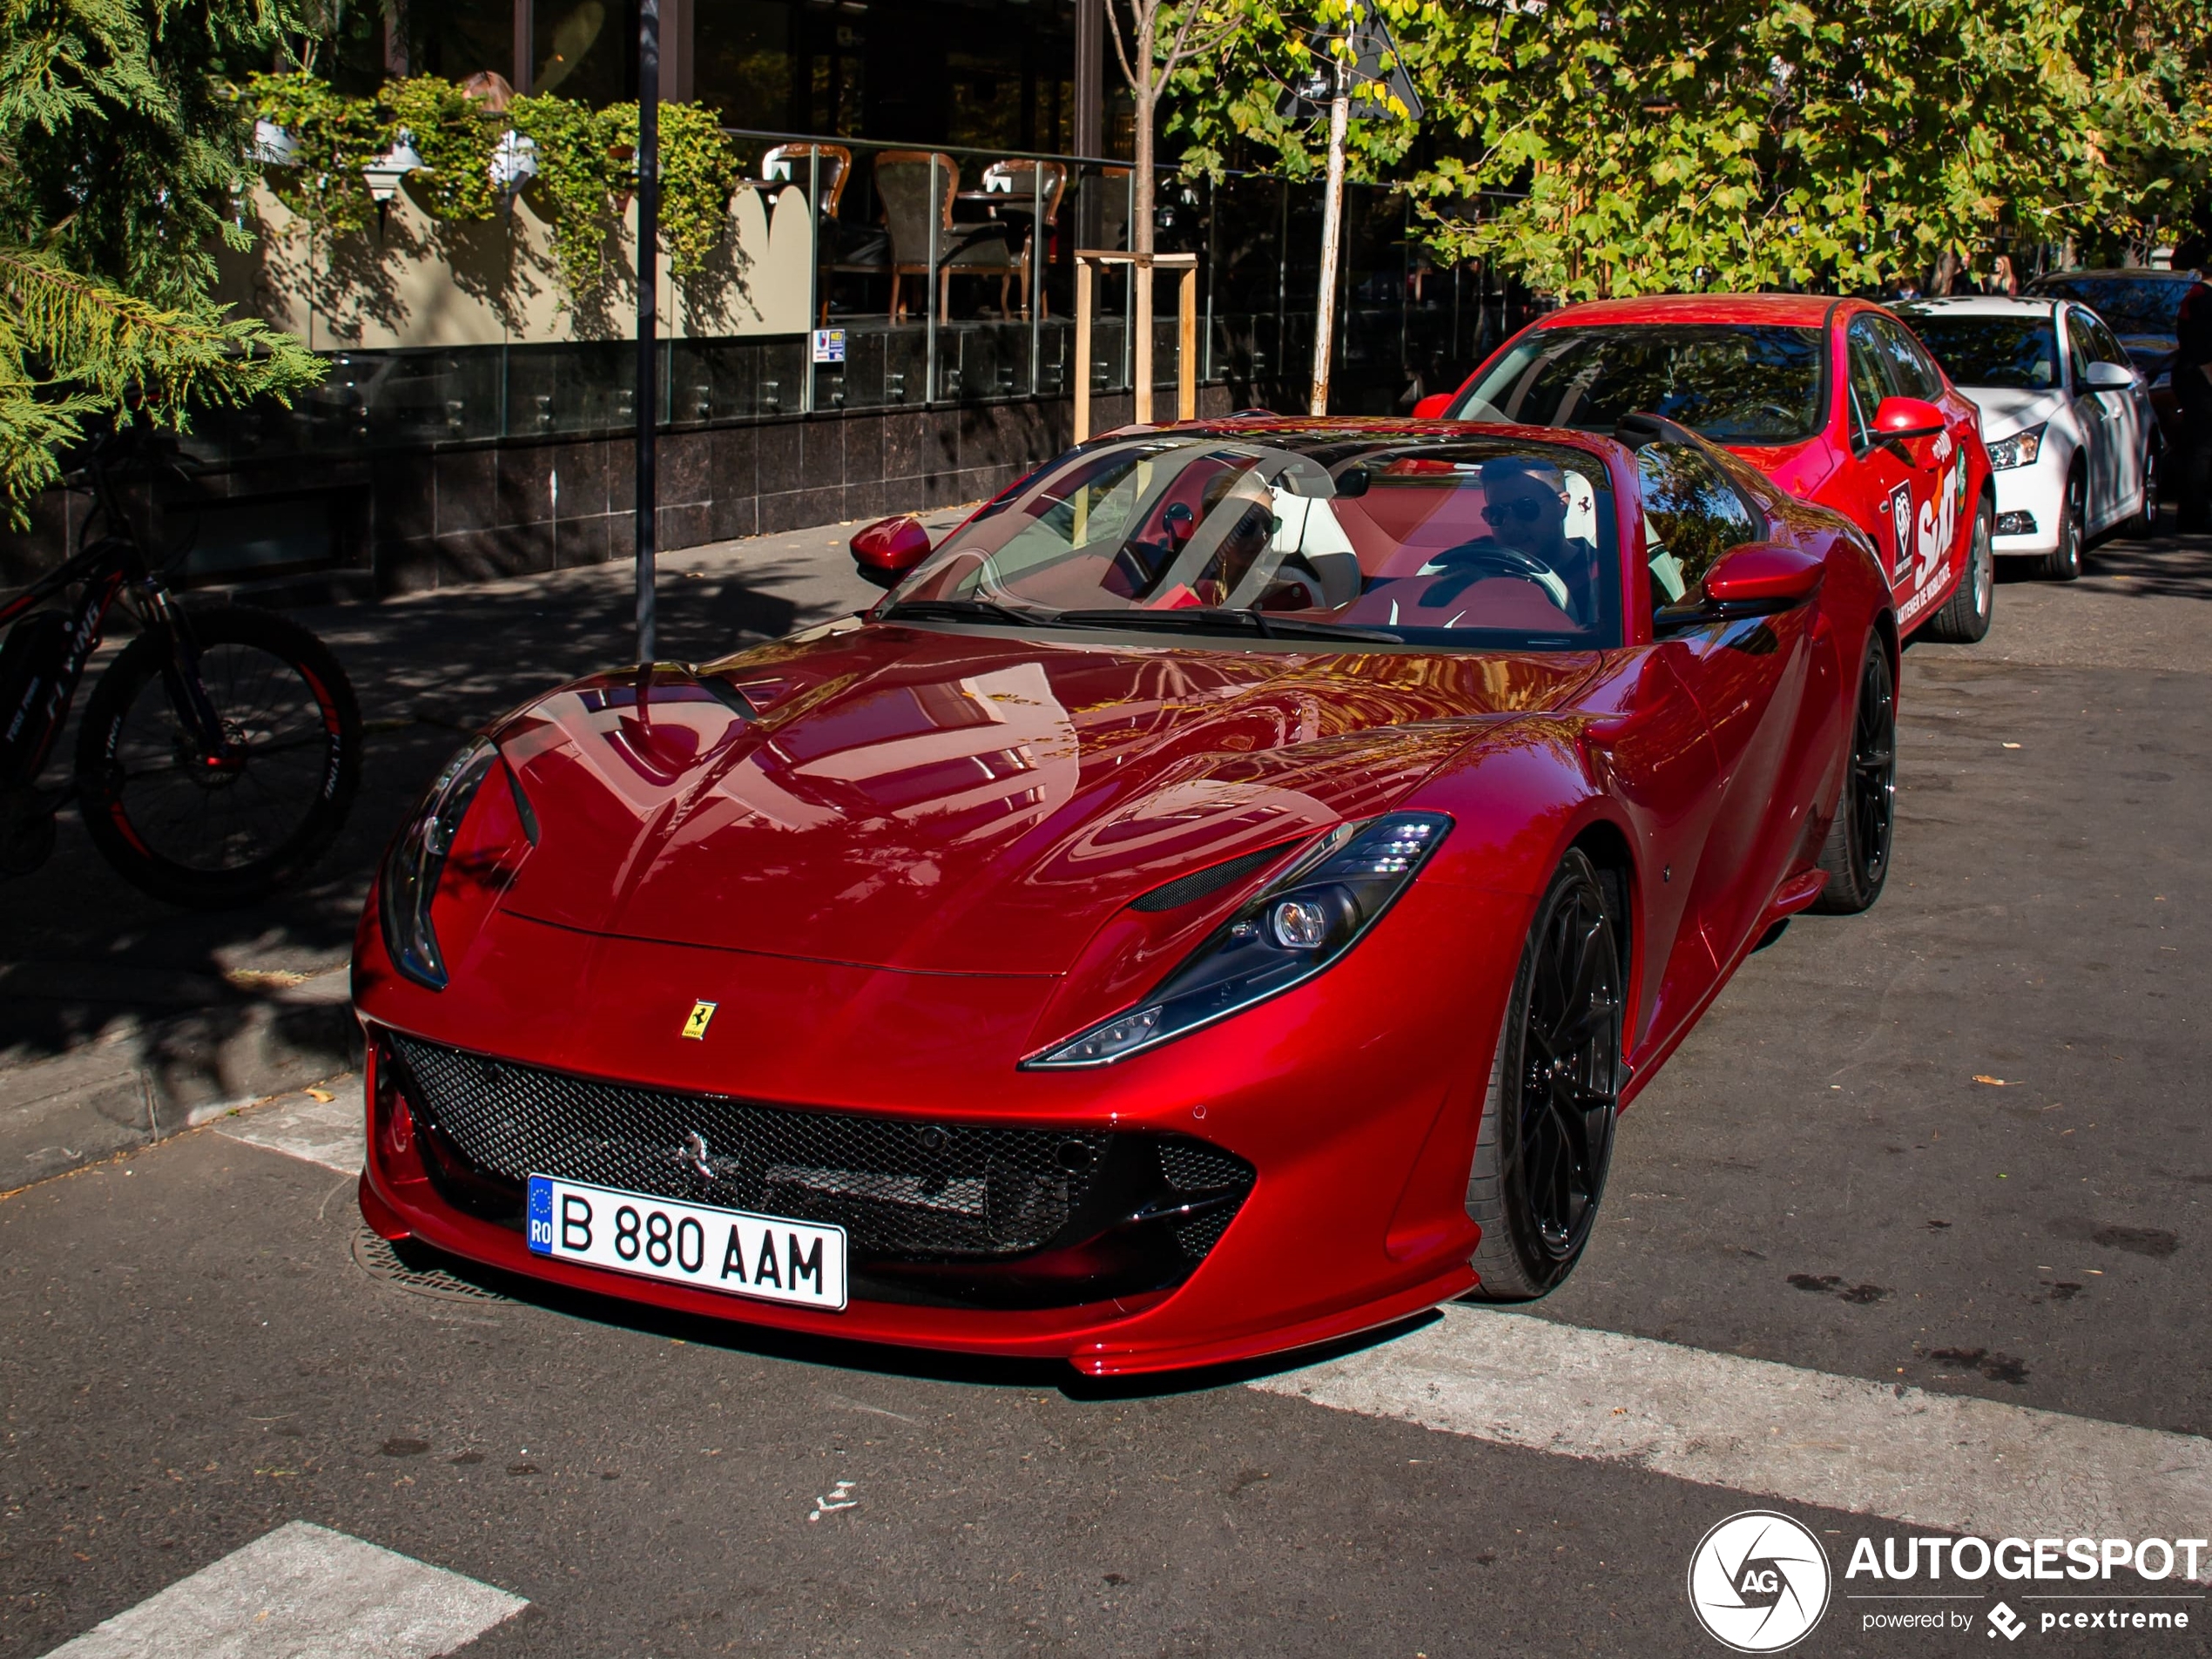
1291 930
2019 450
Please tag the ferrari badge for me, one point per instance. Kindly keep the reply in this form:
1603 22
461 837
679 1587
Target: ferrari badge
695 1026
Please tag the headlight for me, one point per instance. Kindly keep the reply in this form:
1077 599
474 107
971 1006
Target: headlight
1283 937
2019 450
418 859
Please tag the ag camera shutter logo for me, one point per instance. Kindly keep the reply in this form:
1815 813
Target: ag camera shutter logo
1758 1581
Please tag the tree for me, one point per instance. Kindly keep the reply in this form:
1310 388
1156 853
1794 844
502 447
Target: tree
1163 37
1598 147
121 152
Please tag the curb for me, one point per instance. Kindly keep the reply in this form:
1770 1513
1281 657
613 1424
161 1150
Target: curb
147 1078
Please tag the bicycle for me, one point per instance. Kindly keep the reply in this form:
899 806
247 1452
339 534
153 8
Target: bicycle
220 751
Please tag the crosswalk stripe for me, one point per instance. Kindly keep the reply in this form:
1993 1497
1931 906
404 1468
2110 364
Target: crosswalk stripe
303 1592
1948 1462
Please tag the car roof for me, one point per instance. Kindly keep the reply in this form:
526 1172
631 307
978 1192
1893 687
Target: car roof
1985 305
1781 310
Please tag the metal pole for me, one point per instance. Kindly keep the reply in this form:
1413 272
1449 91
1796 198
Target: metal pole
648 398
1332 236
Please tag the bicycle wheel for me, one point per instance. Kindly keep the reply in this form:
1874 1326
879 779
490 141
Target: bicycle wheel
209 832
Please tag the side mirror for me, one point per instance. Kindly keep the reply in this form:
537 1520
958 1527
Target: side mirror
1432 407
1907 417
886 551
2108 377
1766 575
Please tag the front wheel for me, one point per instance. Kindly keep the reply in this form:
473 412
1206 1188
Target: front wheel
2063 563
209 831
1857 852
1546 1139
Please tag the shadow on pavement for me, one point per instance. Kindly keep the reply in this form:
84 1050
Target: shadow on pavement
137 1013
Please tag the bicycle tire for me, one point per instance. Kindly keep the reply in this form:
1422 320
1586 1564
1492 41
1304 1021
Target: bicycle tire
121 826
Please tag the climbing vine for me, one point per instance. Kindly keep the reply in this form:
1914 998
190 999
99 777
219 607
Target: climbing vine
585 159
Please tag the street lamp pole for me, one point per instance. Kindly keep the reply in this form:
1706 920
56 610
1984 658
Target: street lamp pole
648 400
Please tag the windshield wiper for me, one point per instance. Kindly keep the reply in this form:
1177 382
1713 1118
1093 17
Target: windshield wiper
958 610
1214 619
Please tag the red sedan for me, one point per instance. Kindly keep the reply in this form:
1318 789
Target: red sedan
1218 901
1835 400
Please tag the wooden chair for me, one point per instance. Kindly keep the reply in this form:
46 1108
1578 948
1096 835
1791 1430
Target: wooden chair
838 248
1023 183
903 183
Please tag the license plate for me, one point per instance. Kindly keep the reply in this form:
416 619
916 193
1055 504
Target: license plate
696 1245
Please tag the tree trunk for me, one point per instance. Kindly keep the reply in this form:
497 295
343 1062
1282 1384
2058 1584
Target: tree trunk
1140 220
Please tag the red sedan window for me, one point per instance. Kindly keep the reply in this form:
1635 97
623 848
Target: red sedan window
1735 383
1479 542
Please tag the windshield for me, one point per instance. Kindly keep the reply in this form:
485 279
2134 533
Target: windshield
2131 305
2022 352
1735 385
1469 543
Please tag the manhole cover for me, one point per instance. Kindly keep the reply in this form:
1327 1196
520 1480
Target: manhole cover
380 1259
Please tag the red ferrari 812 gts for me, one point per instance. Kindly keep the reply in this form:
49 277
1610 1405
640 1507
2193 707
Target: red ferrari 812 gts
1218 900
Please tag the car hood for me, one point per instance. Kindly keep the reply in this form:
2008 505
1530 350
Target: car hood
965 802
2006 410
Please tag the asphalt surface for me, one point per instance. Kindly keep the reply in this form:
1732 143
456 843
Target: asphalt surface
1957 1145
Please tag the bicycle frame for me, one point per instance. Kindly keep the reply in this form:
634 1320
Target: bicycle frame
106 568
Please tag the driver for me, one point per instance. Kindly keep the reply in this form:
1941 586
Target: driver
1525 506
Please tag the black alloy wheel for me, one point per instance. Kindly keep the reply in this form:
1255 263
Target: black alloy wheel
2063 563
1546 1139
1857 852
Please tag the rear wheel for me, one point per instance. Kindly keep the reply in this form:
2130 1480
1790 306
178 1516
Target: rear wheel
2063 563
1964 618
208 830
1857 852
1546 1141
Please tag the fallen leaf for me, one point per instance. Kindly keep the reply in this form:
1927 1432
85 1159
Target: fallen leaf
2012 746
1995 1083
323 1095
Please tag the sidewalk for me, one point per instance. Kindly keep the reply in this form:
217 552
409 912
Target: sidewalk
123 1021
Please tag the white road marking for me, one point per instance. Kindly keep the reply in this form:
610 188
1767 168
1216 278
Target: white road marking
332 1132
1942 1461
303 1592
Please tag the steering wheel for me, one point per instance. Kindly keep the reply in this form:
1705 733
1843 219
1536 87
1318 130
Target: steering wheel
1487 554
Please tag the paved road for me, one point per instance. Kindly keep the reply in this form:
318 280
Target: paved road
1955 1149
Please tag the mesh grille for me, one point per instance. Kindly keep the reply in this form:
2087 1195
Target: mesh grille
1191 1167
1189 889
900 1188
1201 1233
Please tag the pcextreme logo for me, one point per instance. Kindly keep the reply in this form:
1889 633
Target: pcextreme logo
1758 1581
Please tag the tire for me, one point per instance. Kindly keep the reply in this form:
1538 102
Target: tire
1546 1139
1964 618
207 837
1857 852
2063 563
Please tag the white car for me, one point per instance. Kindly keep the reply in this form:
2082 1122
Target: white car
2065 415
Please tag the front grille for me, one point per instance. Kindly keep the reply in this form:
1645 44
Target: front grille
901 1189
1192 1166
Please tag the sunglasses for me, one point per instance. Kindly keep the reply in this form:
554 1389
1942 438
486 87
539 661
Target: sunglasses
1527 508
